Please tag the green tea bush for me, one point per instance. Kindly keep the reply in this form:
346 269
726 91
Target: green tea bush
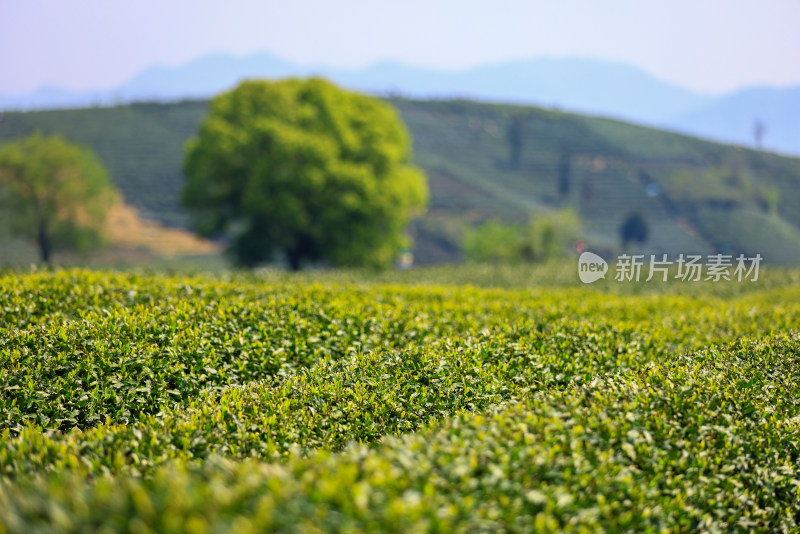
144 402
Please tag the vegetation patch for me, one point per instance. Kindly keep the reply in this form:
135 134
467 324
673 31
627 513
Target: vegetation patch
139 402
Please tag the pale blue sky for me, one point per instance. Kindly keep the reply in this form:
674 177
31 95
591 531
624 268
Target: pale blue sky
706 45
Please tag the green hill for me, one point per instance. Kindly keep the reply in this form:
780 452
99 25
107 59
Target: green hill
696 196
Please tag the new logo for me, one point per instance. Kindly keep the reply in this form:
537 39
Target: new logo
591 267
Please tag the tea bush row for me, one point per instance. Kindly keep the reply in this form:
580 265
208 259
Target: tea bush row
708 441
136 402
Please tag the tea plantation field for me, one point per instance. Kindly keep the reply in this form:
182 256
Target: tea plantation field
406 403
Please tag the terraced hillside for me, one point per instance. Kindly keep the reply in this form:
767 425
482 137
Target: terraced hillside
695 195
148 403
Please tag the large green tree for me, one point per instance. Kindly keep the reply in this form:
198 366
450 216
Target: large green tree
306 169
55 192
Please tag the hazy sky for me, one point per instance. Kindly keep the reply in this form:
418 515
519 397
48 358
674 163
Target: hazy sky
706 45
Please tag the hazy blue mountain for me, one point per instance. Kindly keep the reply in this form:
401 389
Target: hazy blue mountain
200 78
48 97
393 77
203 77
577 84
733 118
584 85
589 86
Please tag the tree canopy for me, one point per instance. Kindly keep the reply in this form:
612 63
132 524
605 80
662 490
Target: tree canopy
546 236
306 169
56 192
633 229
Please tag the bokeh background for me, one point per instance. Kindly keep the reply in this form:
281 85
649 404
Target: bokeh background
540 126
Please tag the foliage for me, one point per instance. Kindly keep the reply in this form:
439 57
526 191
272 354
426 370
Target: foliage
550 236
750 232
713 184
564 174
634 229
467 168
135 402
516 140
493 242
58 193
304 168
546 237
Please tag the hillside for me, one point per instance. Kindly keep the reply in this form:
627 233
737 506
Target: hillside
732 118
607 88
696 196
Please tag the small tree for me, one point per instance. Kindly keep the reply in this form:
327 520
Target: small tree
759 129
550 236
493 242
546 237
633 229
58 193
516 139
304 168
564 174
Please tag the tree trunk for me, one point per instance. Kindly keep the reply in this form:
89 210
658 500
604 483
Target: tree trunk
43 240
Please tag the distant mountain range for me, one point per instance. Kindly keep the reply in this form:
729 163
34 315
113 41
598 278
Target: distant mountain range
587 86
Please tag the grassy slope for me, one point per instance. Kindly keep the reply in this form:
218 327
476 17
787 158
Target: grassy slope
249 404
706 187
